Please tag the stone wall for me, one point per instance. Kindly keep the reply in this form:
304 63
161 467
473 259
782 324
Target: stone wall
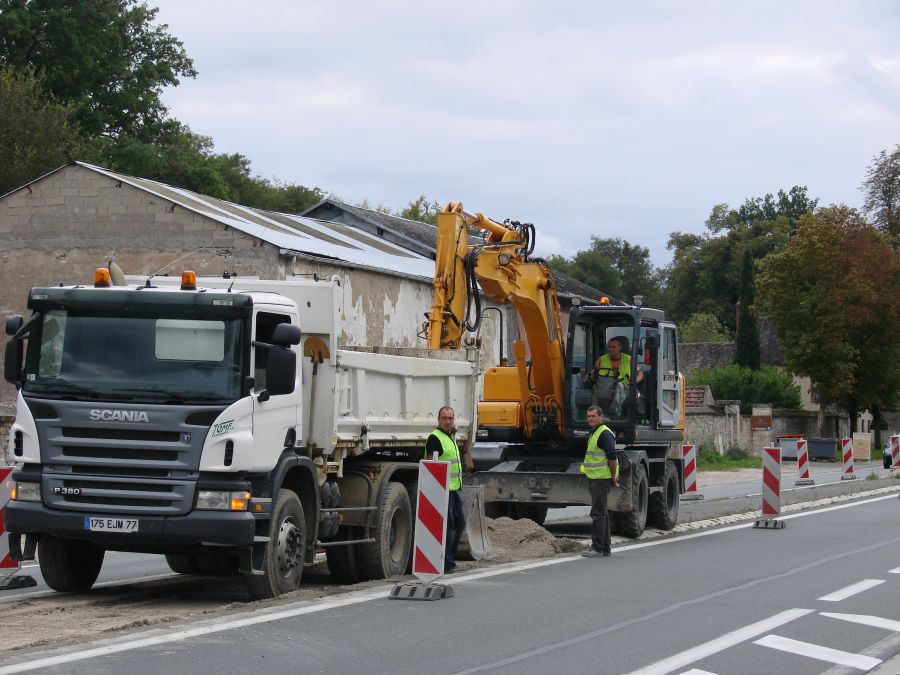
724 428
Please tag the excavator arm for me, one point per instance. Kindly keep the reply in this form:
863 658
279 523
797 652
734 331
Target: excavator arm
529 395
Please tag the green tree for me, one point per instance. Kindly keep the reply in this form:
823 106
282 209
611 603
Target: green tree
833 295
34 135
422 210
702 327
179 157
704 275
614 266
747 347
881 190
105 58
768 384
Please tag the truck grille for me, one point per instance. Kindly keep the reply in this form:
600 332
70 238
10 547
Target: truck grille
98 467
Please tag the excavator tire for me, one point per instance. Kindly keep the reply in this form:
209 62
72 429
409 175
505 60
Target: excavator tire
663 506
632 524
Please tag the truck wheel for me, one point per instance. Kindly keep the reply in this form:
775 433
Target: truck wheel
343 561
182 563
632 524
69 565
389 554
663 505
285 550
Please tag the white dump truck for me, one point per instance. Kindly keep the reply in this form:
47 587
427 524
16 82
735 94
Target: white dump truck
221 423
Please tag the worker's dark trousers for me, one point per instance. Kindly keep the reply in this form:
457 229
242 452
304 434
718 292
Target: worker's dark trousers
456 523
601 537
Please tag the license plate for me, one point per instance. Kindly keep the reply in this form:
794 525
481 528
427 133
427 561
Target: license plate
110 524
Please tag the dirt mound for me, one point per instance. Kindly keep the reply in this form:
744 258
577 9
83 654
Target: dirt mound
517 539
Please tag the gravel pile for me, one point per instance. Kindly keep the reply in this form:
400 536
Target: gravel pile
518 539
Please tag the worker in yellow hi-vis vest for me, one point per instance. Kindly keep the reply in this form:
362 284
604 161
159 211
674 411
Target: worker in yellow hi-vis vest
443 442
602 470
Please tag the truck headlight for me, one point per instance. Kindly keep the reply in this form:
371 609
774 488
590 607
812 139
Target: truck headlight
214 500
26 492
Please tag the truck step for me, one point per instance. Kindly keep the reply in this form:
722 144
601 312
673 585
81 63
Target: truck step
261 539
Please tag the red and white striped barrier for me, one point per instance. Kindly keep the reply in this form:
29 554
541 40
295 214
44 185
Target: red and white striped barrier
430 535
771 490
895 452
431 520
689 472
8 566
803 464
847 452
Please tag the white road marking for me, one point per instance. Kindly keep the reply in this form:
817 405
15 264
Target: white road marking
726 641
255 617
866 620
696 671
837 656
851 590
896 570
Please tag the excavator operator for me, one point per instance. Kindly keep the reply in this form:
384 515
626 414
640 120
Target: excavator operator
615 365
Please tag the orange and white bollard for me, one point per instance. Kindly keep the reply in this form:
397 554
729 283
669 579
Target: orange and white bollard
847 452
895 452
689 472
803 464
771 491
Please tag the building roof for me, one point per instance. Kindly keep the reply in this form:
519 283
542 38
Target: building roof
292 233
422 237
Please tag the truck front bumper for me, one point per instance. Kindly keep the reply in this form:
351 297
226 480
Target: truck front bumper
156 534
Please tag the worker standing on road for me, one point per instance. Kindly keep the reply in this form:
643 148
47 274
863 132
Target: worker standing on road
443 442
602 470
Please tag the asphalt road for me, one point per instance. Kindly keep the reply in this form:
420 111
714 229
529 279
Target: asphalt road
121 567
820 595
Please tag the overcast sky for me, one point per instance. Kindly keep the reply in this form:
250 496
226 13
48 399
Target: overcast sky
628 119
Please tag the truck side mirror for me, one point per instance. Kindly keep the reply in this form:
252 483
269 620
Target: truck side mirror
286 335
13 324
281 370
12 363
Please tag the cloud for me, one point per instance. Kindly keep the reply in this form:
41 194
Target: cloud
616 119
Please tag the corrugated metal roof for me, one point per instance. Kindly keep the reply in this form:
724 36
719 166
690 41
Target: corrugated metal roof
426 234
320 238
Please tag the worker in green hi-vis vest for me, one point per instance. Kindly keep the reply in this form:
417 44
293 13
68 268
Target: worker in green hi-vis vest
602 470
443 442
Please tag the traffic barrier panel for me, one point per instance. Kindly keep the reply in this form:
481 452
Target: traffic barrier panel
847 452
803 464
9 568
689 472
895 452
771 491
430 535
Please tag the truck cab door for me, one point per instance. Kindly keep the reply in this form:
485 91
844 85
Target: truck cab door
274 416
668 382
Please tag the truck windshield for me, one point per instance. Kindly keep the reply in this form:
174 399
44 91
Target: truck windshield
134 358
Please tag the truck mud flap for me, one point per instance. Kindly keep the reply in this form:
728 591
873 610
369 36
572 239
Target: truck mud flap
475 543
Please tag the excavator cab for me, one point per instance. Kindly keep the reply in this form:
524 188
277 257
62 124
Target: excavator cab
624 359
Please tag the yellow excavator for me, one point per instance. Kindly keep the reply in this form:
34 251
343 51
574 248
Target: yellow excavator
531 415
